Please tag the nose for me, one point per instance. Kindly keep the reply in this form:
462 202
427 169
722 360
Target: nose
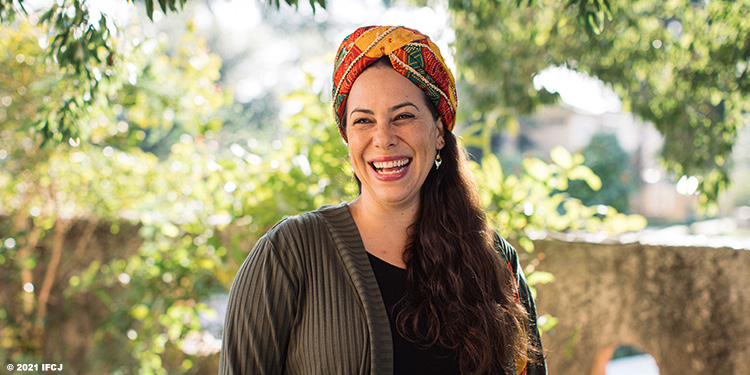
384 136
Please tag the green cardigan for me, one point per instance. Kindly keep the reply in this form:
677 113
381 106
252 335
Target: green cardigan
306 301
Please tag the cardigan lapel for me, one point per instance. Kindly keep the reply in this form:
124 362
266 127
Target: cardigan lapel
354 257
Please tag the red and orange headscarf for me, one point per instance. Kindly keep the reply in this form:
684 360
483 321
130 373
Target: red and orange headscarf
412 54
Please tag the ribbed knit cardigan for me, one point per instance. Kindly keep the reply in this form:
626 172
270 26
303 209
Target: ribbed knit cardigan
306 301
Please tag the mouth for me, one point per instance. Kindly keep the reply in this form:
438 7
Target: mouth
390 167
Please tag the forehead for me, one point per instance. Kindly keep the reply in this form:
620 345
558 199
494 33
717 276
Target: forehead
383 85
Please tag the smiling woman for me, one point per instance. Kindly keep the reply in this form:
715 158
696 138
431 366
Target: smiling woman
393 140
406 279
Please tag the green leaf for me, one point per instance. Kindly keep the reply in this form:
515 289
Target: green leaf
582 172
537 169
492 169
547 322
539 277
139 311
636 223
561 156
596 27
150 9
170 230
526 244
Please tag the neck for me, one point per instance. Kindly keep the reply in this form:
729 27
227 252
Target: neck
384 229
373 214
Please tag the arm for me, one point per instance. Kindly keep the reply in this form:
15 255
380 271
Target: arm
260 313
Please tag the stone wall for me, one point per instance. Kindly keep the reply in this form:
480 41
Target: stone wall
689 307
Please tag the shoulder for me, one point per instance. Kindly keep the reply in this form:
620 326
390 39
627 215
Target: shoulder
306 221
510 257
290 243
304 229
505 249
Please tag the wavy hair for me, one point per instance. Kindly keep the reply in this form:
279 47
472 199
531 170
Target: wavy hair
459 292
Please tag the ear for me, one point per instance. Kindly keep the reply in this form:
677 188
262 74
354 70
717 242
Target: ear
441 134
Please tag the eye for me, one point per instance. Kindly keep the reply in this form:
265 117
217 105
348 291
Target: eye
403 116
361 120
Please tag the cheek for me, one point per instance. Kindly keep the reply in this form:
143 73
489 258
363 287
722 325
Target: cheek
354 153
429 140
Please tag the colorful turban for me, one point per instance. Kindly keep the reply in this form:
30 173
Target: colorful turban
412 54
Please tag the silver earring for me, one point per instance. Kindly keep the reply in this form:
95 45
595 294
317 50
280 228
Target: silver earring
438 160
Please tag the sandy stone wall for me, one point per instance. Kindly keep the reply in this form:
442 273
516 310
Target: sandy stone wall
689 307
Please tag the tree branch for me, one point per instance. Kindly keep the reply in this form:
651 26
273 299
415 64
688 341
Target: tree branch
49 275
88 232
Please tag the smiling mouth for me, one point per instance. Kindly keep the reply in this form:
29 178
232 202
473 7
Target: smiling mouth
390 167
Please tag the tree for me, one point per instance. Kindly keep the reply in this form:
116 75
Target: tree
682 65
104 179
85 47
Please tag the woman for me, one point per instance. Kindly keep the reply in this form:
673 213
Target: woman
406 279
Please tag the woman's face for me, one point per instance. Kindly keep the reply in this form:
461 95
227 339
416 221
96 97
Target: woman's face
392 135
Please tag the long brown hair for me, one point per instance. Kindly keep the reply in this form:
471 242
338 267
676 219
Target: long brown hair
459 292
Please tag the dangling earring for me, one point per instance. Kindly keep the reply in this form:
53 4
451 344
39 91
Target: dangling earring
438 160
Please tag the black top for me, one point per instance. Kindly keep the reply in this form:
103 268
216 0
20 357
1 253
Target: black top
409 357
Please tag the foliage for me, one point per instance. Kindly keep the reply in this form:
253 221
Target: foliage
682 65
611 164
146 166
88 51
196 214
86 47
104 179
537 200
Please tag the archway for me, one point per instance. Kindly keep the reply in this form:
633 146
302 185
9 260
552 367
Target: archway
624 360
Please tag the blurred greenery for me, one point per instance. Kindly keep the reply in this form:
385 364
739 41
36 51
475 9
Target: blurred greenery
113 241
87 50
181 197
611 163
683 65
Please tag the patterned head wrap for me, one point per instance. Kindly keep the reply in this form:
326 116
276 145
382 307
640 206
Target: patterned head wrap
412 54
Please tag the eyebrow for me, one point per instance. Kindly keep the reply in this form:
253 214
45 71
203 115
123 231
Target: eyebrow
392 109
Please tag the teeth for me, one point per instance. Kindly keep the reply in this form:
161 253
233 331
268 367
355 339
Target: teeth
390 164
391 171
